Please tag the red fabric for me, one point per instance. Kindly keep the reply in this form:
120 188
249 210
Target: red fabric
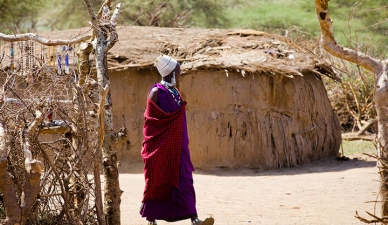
161 150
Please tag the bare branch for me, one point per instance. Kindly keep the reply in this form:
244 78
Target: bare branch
64 192
105 15
107 3
331 46
113 33
112 40
115 14
92 15
366 127
103 92
43 41
155 14
39 118
3 141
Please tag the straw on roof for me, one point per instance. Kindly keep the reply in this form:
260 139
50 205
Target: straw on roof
245 50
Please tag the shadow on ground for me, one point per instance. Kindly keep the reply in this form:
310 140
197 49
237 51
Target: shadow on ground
319 166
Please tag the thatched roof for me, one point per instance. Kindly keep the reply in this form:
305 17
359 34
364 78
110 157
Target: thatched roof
247 51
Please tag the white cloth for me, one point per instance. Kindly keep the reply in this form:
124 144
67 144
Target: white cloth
165 65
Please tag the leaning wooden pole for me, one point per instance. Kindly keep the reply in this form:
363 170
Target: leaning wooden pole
105 36
83 72
7 188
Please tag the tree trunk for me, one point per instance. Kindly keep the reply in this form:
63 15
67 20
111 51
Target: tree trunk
16 211
112 196
379 68
105 36
381 104
78 137
7 188
12 209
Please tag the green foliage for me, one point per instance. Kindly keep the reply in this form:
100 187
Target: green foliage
362 25
58 14
358 147
357 24
174 13
19 16
276 16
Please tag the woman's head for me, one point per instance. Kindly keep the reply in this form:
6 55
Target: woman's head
168 68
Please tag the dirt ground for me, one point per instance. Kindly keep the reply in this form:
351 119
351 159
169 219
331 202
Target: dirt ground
323 192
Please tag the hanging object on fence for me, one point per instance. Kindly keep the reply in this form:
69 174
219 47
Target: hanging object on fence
32 54
51 56
23 70
59 60
12 52
42 61
67 68
1 53
48 55
26 67
27 53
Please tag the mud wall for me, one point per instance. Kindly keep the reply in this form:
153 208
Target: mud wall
256 121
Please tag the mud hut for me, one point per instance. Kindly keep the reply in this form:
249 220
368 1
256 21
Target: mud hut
255 100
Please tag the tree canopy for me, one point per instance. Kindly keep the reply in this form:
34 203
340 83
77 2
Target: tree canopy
19 15
59 14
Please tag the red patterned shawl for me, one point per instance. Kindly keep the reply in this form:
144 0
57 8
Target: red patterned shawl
161 150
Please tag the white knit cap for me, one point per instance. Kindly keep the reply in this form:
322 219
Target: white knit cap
165 64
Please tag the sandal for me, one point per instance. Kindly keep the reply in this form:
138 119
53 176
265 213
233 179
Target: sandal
207 221
152 223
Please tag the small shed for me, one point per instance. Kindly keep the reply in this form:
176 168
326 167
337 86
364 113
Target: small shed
255 100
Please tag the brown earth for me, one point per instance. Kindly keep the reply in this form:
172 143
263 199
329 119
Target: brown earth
323 192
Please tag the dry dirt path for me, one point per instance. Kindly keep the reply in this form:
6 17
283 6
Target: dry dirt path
324 192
